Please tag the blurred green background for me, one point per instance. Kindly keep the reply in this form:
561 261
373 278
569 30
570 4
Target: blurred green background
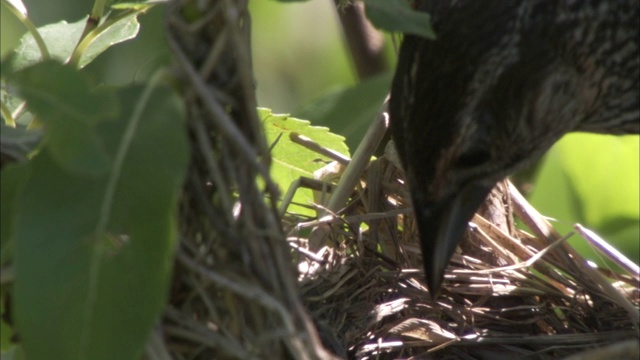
300 59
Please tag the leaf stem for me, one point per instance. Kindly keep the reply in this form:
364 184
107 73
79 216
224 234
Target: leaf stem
6 114
98 10
22 16
89 37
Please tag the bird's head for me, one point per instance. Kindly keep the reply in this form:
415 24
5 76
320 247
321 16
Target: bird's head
497 88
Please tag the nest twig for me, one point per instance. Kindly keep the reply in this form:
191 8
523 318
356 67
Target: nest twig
234 293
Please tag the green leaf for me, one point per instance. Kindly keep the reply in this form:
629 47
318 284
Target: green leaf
93 255
593 180
13 178
350 111
397 15
125 28
70 108
62 38
292 161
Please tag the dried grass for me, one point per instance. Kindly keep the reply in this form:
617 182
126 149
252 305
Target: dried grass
533 297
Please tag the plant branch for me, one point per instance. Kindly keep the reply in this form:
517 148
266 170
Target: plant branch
365 43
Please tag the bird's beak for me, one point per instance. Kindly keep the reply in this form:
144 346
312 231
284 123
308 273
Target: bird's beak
441 227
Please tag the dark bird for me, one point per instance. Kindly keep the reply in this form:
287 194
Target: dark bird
503 81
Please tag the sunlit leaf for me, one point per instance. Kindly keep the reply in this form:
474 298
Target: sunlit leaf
122 30
61 39
292 161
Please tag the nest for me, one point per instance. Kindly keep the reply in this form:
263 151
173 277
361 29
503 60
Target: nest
251 284
506 295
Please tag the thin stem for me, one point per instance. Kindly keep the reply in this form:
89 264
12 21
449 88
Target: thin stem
365 43
98 9
8 118
89 37
31 28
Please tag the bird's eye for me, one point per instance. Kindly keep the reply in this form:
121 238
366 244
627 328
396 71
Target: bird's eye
473 158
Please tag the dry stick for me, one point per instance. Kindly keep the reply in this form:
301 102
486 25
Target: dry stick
351 175
532 218
365 43
366 47
205 146
256 157
248 291
307 183
318 149
359 162
522 252
608 250
257 294
520 265
330 220
219 116
214 57
243 50
193 331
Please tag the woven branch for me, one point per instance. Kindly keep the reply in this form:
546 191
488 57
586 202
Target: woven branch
234 294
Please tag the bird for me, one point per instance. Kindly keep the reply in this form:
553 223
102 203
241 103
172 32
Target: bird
498 86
